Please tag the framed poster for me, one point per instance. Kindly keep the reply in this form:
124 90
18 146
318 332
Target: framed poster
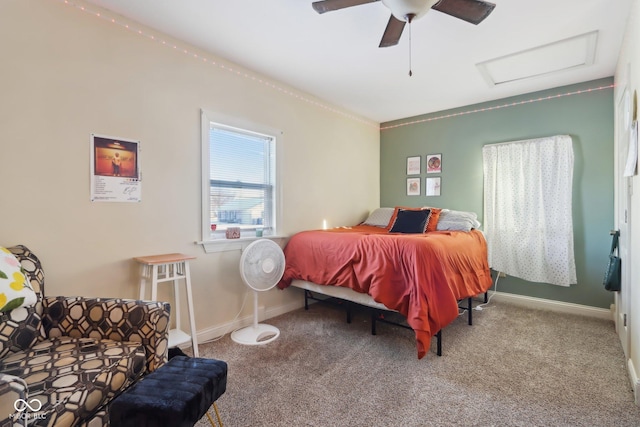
413 165
115 169
434 163
413 186
433 186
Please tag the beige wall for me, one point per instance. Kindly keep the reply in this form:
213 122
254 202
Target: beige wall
628 75
66 73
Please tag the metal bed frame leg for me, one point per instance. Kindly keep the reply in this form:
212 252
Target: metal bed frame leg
469 309
374 319
373 322
486 297
308 295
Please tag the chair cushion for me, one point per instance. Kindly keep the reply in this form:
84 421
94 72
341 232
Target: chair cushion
74 377
20 329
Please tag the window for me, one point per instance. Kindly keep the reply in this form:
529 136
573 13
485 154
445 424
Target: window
239 179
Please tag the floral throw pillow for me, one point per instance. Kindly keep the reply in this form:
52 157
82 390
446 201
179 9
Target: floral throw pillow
15 290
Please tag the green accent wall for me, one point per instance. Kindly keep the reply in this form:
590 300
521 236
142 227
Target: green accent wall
459 135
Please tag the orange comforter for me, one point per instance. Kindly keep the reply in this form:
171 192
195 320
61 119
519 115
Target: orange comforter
422 276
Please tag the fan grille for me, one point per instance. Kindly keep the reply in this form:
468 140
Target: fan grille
262 264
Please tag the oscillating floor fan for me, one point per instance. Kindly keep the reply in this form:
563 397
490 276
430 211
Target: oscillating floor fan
261 268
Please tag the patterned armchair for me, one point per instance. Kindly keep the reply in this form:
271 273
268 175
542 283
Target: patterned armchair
64 359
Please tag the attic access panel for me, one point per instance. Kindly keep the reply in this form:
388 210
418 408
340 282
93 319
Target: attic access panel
573 52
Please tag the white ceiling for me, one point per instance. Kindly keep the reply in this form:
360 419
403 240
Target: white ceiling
335 56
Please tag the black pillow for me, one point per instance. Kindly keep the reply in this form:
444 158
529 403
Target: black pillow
409 221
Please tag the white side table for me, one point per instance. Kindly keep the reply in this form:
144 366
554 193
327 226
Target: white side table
171 268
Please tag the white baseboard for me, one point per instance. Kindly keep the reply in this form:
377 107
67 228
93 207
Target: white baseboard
214 332
635 382
559 306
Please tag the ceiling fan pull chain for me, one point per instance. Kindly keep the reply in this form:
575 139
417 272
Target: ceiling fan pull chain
409 19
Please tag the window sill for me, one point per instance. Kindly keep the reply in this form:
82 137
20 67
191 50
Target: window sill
224 245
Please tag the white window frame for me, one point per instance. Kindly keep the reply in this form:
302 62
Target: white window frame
216 242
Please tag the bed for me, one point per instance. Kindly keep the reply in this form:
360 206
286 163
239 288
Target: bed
421 275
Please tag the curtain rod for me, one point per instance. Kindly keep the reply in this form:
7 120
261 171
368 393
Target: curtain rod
522 140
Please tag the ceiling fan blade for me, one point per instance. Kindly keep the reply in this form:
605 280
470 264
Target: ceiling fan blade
473 11
393 32
329 5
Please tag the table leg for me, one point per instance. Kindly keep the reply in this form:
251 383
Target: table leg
176 291
192 320
144 272
154 282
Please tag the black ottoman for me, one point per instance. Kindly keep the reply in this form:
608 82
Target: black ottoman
177 394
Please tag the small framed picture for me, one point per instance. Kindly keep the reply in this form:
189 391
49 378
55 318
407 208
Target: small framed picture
413 186
433 186
434 163
413 165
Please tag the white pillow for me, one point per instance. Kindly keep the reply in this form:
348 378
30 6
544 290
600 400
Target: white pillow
380 217
15 290
457 220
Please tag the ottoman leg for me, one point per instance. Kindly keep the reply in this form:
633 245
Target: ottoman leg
215 408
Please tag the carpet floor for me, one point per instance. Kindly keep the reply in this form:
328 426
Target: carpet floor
514 367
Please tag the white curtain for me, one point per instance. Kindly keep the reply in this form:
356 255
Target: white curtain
527 209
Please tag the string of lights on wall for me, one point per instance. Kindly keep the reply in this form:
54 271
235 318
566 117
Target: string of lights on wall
497 107
191 53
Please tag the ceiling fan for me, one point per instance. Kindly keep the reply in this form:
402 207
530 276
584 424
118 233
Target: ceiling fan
406 11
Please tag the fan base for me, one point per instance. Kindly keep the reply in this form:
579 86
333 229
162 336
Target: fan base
256 335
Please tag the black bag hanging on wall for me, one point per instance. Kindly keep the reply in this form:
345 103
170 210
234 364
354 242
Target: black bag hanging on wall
612 275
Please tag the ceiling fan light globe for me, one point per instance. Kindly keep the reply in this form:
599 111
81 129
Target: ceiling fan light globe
403 9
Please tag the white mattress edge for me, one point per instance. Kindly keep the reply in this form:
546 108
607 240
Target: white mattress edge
340 292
